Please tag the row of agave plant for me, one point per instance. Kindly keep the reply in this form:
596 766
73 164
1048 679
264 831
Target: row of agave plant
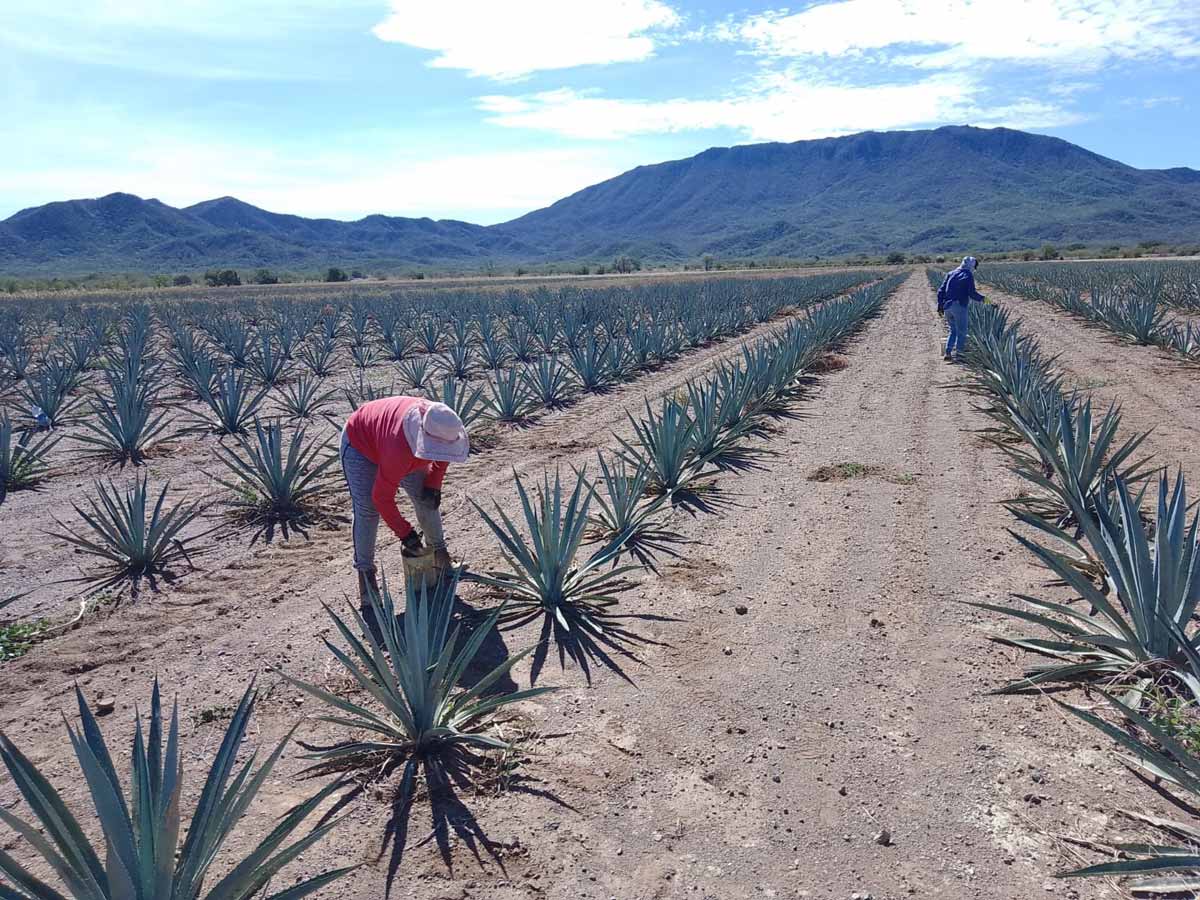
1132 304
416 712
600 340
276 476
465 331
1133 562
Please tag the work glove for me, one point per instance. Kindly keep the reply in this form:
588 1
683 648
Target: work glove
441 558
412 545
433 496
987 302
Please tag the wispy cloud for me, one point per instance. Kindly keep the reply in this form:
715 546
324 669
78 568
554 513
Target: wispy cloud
949 34
780 106
514 38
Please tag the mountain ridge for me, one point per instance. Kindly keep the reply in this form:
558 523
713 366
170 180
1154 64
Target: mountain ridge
935 190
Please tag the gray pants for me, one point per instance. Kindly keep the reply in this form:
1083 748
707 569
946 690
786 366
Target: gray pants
360 478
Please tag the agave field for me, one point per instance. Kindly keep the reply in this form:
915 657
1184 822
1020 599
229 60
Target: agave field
168 479
1114 529
1146 303
144 440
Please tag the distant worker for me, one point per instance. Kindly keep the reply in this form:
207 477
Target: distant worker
953 298
393 443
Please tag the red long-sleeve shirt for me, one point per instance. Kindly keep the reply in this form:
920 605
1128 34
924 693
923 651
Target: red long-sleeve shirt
376 430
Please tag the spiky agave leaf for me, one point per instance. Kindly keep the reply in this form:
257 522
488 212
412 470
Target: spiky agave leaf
461 397
317 357
134 540
278 481
510 400
546 577
458 360
142 856
416 371
303 398
1141 620
126 423
1159 754
664 443
22 457
232 403
623 516
268 364
410 668
362 391
548 381
49 390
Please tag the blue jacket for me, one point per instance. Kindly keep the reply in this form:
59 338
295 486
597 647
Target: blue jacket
958 287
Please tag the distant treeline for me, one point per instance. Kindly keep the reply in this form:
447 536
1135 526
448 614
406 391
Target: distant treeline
620 265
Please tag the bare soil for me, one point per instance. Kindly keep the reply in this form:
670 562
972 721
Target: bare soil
808 715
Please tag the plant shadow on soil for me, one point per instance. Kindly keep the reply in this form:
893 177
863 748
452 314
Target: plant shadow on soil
449 773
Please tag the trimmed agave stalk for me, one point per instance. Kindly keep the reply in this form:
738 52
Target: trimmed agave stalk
134 540
277 481
545 577
141 854
410 667
22 457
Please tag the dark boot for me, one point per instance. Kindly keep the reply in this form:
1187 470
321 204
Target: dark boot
367 581
368 587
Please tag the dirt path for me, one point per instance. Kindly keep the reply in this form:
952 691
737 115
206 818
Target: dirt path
1156 389
815 680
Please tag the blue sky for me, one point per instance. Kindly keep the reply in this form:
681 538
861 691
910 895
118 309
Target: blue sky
484 109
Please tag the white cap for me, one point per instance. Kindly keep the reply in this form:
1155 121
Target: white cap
436 433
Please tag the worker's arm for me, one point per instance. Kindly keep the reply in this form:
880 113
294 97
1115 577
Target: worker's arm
971 292
383 493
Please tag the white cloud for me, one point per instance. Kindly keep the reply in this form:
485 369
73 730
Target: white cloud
514 38
950 33
780 107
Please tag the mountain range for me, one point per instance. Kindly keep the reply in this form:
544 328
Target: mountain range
940 190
